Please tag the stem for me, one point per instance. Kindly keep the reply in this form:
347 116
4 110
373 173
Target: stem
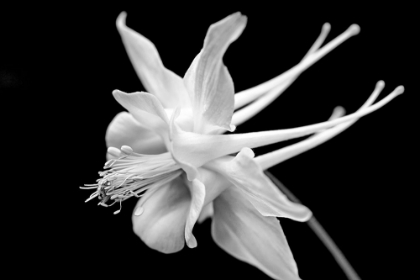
321 233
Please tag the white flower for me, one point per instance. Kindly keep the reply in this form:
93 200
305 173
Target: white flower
169 150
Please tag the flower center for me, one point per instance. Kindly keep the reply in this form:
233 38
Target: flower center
131 174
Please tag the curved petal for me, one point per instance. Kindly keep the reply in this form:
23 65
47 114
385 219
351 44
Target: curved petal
247 176
125 130
161 221
273 158
198 193
208 81
198 149
166 85
147 110
241 231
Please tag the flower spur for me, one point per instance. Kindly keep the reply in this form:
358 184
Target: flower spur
174 157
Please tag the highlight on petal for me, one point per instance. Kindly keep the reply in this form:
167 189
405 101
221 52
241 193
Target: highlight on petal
243 172
198 193
273 158
208 81
196 149
159 218
147 110
125 130
158 80
244 97
240 230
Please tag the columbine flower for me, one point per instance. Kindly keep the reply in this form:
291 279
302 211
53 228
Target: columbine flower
168 149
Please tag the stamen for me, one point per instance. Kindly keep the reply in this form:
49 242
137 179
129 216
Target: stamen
114 152
132 174
119 210
127 150
244 97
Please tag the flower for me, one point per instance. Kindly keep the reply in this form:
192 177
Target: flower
170 151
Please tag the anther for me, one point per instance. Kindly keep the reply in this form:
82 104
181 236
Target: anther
127 149
114 151
119 210
138 211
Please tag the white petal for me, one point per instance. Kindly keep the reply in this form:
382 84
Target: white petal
270 159
161 218
198 192
147 110
197 149
166 85
125 130
240 230
208 81
243 172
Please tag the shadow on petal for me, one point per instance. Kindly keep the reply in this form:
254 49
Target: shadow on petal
239 229
247 176
161 224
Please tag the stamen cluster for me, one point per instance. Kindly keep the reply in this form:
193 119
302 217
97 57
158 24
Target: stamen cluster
132 174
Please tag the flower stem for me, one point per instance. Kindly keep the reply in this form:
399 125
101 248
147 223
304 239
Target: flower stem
321 233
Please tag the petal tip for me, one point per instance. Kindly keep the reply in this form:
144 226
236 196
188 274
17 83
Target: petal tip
117 92
192 242
380 84
354 29
247 152
399 90
239 16
121 19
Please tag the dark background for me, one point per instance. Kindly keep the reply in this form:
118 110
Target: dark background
59 65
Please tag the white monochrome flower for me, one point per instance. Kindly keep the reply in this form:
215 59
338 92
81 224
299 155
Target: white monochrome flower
170 151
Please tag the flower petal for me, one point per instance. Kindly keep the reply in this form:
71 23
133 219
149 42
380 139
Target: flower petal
247 175
166 85
208 81
161 223
125 130
273 158
239 229
198 193
147 110
197 149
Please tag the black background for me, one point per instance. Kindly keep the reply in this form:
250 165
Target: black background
59 65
